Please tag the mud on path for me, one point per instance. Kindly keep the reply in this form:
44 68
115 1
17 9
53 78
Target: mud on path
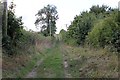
65 63
33 73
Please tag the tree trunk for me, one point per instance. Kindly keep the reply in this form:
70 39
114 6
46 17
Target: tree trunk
1 13
4 20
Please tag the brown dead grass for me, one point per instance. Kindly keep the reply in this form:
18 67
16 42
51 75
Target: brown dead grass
91 62
14 63
10 63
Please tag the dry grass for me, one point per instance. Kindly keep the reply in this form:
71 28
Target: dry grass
82 62
20 64
86 62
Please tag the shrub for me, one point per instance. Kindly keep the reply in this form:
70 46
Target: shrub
105 32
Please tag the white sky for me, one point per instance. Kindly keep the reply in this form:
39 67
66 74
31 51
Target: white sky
67 9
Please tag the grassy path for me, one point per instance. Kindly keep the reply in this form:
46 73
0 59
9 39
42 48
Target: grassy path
65 63
33 73
62 61
52 65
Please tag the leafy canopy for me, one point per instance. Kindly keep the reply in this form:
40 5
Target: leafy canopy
46 20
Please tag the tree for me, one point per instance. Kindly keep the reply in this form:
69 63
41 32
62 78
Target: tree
84 23
105 32
97 9
47 17
63 35
4 20
15 25
80 27
14 30
1 13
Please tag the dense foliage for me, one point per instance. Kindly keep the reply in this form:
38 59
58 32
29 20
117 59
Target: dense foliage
104 32
15 26
14 30
63 35
46 19
97 27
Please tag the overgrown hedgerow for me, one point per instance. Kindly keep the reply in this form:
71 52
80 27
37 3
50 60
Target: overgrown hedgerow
105 32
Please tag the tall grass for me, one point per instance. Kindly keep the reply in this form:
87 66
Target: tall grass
29 49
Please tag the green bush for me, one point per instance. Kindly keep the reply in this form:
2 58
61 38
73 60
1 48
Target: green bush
105 32
63 35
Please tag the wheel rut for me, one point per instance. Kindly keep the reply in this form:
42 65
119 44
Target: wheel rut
33 73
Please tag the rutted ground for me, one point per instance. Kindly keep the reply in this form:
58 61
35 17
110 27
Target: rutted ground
64 61
52 65
49 66
33 73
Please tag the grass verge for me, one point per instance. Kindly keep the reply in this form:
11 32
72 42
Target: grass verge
19 66
85 62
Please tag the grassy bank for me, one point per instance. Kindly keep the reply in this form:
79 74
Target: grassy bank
27 53
86 62
19 66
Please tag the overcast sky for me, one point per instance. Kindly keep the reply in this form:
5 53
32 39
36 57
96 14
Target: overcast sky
67 9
